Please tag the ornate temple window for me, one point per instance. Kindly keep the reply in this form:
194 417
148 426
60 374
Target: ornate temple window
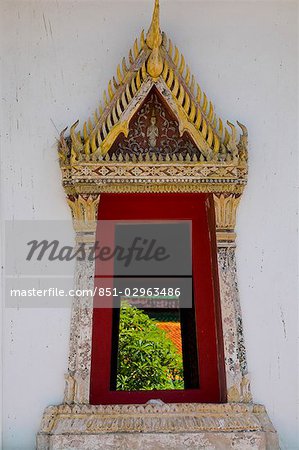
156 146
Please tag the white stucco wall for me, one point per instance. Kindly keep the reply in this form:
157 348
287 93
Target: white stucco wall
58 57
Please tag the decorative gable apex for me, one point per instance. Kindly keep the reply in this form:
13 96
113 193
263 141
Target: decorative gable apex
154 62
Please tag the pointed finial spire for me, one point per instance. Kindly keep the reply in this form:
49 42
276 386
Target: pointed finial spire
154 36
153 41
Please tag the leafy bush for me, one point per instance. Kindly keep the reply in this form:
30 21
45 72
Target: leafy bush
147 358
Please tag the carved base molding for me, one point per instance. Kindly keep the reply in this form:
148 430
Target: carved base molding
157 426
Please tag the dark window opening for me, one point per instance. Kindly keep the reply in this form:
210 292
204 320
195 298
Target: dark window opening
154 348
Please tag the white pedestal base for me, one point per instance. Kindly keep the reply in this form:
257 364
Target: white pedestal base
157 426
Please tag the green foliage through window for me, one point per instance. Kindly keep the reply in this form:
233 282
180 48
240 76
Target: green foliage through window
147 358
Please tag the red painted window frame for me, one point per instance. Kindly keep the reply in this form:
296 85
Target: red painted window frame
199 208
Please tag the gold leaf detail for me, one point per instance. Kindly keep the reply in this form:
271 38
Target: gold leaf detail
198 94
143 71
182 65
119 111
176 56
135 49
99 137
198 119
128 93
155 63
187 103
170 78
192 112
154 36
93 143
110 90
115 84
87 148
119 74
165 71
205 103
104 130
175 87
204 129
133 87
210 136
124 100
124 66
138 80
188 76
114 116
131 59
216 143
181 95
142 40
211 112
109 122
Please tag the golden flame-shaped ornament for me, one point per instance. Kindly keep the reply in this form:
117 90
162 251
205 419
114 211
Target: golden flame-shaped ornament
155 64
154 35
154 41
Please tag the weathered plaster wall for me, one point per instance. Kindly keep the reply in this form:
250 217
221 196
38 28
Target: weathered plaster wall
59 56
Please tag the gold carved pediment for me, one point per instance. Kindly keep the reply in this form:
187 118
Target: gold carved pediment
154 62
